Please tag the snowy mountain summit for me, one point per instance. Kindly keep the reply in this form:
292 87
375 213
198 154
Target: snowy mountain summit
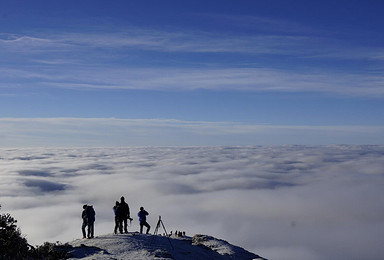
142 247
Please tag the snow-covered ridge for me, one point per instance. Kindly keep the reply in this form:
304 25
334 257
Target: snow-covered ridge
140 246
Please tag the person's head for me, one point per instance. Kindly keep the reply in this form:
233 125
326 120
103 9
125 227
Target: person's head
141 208
117 203
122 198
85 206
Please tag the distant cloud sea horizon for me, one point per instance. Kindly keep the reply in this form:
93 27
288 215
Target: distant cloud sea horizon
123 132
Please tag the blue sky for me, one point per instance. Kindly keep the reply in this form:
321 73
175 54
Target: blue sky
191 72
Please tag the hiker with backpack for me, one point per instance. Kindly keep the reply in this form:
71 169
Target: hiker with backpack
125 213
117 209
91 221
85 220
88 216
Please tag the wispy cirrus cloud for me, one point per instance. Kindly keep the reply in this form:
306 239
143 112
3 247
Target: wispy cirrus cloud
155 41
260 24
25 44
161 79
300 45
102 60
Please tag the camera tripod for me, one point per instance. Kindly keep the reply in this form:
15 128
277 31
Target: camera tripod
160 222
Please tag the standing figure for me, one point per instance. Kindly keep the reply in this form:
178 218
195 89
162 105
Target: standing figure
91 221
84 216
125 213
118 218
143 220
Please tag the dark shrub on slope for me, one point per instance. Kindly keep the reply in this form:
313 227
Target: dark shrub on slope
12 244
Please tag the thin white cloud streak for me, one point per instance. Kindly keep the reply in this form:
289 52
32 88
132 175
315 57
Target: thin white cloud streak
161 79
261 24
300 45
88 48
195 42
21 132
161 41
285 202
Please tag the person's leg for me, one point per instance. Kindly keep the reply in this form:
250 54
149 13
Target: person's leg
91 229
121 225
148 227
141 227
83 229
116 224
125 225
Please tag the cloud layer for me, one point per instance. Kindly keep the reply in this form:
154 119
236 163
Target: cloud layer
283 202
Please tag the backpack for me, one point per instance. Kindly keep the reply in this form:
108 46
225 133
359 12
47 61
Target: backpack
91 213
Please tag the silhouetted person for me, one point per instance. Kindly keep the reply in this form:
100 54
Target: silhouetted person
84 216
118 218
91 221
125 213
143 220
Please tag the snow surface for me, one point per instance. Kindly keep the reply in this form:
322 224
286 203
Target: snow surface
141 246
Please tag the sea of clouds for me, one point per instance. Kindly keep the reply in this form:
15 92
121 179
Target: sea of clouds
282 202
